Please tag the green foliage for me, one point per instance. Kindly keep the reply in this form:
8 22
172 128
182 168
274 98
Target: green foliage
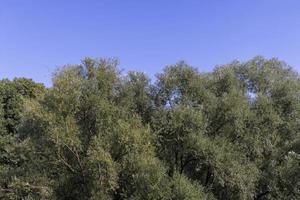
143 177
219 165
174 128
12 94
185 189
135 94
288 173
232 134
20 177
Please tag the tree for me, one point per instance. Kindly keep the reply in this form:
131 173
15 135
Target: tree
20 176
230 134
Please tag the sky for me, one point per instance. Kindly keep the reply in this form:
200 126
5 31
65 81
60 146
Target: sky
38 36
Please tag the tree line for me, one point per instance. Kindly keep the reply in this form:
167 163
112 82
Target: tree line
99 134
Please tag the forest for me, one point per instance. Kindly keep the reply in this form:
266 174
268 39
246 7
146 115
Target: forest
99 133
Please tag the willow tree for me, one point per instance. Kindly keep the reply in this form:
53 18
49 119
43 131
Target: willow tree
97 133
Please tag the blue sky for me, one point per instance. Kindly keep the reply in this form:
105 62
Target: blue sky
37 36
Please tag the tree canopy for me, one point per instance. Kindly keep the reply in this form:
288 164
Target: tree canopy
229 134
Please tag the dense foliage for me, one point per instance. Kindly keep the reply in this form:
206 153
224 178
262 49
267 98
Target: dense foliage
230 134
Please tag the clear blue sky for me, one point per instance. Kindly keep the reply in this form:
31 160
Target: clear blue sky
37 36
